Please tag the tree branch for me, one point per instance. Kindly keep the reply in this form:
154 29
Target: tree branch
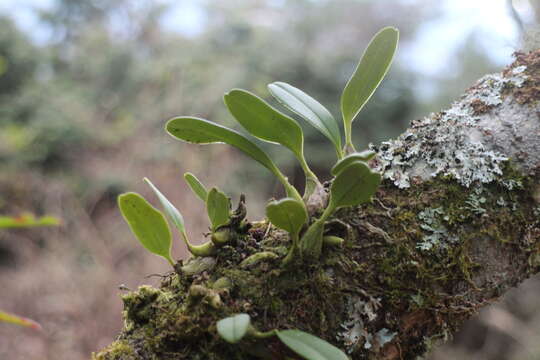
453 227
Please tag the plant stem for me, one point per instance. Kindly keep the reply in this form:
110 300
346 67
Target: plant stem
311 184
339 153
261 335
327 212
348 131
312 240
206 249
289 189
293 251
170 260
311 179
349 148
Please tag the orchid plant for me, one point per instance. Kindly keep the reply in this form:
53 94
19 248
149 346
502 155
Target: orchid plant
354 182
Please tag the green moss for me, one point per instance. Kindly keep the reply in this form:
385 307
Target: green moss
118 350
137 305
417 278
368 277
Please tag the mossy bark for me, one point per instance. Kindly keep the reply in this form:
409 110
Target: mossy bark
455 224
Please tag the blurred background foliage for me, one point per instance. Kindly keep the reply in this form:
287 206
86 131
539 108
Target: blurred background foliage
87 85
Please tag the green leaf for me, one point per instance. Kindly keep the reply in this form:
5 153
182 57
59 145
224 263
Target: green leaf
196 186
265 122
369 73
309 346
234 328
171 211
27 220
346 161
288 214
199 131
309 109
147 223
19 320
176 217
354 185
218 206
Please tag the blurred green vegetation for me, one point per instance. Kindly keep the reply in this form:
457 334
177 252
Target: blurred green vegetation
111 74
92 88
82 115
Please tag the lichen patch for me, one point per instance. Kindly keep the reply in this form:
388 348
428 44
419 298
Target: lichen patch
354 333
459 142
528 64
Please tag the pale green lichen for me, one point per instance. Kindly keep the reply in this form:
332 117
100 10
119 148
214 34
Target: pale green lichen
452 142
438 236
476 201
360 311
384 336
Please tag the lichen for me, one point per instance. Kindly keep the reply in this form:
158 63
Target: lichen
452 142
476 201
353 333
438 236
529 65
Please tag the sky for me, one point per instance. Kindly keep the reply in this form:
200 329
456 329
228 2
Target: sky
427 55
490 19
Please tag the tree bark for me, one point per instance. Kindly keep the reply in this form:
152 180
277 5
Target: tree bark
455 224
